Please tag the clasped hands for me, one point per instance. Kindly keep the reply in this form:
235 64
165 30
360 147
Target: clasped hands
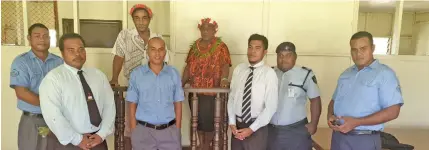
348 123
89 141
240 134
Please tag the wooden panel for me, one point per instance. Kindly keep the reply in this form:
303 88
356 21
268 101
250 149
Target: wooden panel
379 24
407 24
405 47
100 33
362 21
422 17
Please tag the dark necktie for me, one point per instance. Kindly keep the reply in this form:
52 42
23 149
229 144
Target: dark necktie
94 114
247 96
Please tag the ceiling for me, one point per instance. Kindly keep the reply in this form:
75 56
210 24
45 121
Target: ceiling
390 5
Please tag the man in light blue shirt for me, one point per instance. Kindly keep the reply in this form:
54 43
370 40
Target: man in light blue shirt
289 128
27 71
155 94
368 95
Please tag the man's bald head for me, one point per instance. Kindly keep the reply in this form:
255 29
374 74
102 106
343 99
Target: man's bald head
156 51
156 40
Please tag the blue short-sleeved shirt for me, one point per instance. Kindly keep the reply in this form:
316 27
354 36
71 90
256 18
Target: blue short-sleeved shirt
28 71
155 94
365 92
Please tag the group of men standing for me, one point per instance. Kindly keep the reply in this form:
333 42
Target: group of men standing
68 106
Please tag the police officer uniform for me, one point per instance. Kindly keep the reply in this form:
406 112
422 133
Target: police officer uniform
287 127
287 130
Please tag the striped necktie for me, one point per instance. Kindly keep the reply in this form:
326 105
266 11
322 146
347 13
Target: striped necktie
247 96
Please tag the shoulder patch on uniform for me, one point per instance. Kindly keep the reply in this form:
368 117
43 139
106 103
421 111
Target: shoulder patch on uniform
398 88
14 73
306 68
314 79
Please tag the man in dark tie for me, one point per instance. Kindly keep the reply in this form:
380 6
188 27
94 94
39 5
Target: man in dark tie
77 102
253 98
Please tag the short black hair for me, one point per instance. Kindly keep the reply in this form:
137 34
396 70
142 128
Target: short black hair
362 34
36 25
286 46
137 9
259 37
69 36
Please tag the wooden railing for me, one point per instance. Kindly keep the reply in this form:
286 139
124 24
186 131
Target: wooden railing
220 141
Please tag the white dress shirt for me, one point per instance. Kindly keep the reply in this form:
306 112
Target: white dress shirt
64 105
264 94
293 93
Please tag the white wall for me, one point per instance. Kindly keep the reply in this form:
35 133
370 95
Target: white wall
322 44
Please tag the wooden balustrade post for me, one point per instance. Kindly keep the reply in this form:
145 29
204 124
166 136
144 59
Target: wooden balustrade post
120 120
225 122
194 121
217 119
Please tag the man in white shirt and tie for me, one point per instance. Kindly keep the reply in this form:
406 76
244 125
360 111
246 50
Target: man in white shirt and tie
253 98
77 103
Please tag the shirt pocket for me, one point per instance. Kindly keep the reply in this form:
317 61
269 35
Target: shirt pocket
368 87
35 79
147 91
344 86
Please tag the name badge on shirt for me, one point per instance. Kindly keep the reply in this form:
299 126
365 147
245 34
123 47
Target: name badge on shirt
291 92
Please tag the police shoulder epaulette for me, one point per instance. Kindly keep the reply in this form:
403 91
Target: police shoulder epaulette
306 68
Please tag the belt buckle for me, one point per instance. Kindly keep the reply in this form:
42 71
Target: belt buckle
239 119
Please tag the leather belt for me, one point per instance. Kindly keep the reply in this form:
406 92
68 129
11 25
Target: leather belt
300 123
29 114
362 132
157 127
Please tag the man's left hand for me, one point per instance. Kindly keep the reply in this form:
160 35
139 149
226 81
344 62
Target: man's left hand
224 84
311 128
243 133
94 139
349 124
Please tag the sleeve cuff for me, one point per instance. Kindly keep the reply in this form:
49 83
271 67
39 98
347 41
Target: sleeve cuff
102 135
76 140
254 127
232 120
131 98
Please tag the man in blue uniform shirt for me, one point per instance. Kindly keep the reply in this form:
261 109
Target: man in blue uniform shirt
367 96
27 71
289 128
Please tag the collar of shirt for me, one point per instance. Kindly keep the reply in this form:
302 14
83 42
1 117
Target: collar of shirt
374 65
135 33
32 55
73 69
294 68
146 68
261 63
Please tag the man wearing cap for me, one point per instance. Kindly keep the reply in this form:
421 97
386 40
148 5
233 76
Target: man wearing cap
289 128
130 49
367 96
